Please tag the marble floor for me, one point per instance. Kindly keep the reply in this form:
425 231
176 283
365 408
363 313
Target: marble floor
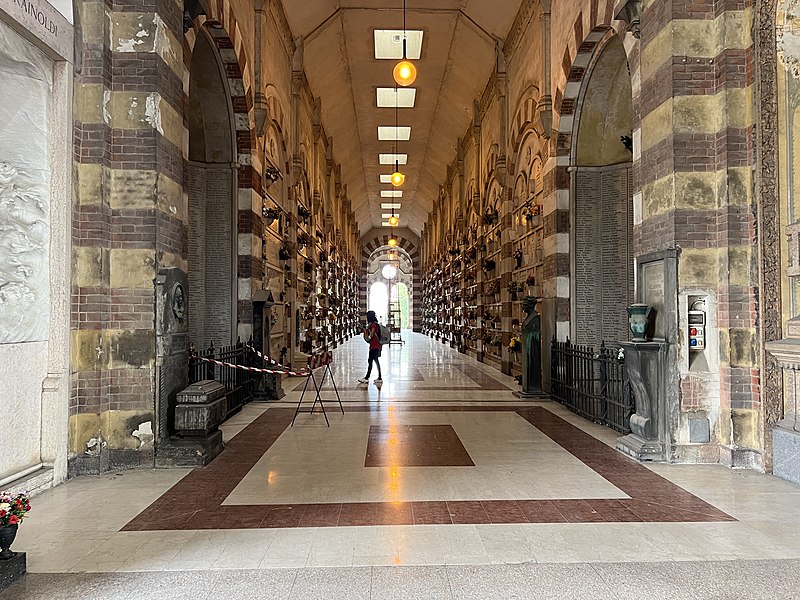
437 484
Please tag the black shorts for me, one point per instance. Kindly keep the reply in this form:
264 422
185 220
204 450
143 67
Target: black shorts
374 353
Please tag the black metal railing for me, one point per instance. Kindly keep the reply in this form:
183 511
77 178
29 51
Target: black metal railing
238 382
592 384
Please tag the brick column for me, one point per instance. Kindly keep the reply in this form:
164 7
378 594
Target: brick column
696 178
129 221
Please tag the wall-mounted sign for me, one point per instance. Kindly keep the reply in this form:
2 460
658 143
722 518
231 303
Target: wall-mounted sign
40 23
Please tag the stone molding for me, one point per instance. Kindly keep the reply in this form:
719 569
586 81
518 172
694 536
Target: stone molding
768 212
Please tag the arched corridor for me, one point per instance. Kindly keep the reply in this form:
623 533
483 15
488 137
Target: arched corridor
576 224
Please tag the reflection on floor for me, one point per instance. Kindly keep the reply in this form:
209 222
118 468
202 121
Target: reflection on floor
441 471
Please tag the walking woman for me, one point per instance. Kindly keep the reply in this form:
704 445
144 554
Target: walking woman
372 335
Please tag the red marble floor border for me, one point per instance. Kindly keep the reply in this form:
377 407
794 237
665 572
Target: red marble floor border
195 502
415 446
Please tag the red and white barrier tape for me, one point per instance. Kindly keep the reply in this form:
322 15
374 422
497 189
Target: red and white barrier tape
314 362
266 359
255 369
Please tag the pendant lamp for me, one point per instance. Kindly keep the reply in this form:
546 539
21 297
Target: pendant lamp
405 73
398 178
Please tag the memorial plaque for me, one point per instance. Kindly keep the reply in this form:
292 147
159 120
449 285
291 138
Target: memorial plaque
197 254
219 256
211 256
604 258
653 293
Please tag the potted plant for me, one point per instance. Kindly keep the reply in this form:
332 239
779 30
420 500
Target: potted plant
303 240
532 214
518 258
270 215
303 213
513 289
515 345
530 281
285 251
489 264
13 508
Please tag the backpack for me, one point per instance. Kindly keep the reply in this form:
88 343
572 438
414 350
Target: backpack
385 335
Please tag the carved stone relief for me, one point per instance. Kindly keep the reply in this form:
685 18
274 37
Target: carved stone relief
768 209
24 191
787 34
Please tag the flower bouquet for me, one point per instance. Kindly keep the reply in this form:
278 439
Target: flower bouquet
270 215
13 508
518 255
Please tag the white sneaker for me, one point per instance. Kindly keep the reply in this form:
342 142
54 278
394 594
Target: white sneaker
363 380
378 381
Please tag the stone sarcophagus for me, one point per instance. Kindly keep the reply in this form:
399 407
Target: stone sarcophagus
199 410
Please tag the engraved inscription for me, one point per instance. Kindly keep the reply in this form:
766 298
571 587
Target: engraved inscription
603 255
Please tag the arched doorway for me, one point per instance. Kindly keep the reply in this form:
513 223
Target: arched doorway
379 299
401 295
212 207
602 192
393 292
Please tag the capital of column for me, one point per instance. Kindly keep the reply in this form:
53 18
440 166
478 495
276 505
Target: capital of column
630 11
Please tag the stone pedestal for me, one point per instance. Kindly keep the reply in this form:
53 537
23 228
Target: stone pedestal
199 411
12 569
786 453
269 386
786 433
172 348
645 369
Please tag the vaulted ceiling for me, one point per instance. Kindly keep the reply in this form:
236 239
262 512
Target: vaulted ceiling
458 56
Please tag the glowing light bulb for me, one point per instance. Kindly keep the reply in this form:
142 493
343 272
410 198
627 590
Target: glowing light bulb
398 179
392 242
393 221
405 73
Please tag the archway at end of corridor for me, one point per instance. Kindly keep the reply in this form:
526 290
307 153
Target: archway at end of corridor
389 286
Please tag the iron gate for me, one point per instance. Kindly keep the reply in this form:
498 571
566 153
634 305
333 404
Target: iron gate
592 384
238 383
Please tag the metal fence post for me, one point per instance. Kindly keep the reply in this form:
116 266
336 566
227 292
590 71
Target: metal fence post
603 384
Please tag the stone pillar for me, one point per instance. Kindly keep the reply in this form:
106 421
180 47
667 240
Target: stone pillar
129 221
695 172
